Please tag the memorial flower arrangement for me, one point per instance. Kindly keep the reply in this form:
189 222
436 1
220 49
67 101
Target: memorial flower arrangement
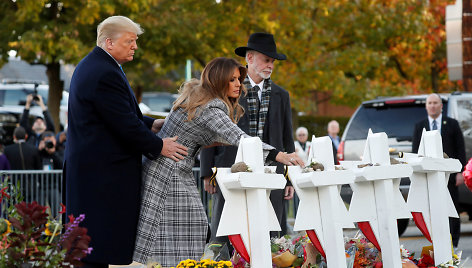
30 237
427 261
467 173
289 251
205 263
361 253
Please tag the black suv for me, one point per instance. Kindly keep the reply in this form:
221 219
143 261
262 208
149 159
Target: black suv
397 116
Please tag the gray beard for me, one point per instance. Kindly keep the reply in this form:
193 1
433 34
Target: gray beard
263 75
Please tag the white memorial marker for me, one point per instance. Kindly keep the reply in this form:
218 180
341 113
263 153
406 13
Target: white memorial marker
321 211
429 199
377 202
248 215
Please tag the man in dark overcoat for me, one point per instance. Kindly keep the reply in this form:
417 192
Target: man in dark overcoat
267 115
107 136
453 146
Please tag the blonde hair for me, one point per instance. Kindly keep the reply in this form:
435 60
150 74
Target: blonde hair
213 83
113 26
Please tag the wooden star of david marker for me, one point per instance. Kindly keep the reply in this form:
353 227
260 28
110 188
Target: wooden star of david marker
248 215
377 202
321 211
429 199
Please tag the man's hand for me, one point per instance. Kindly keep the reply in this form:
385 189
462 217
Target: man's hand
289 159
29 99
208 187
459 179
41 102
173 150
157 125
289 191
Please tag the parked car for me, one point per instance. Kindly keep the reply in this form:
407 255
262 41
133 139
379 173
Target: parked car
157 104
13 99
397 116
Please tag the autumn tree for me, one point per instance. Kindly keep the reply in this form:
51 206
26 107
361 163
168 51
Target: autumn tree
350 50
51 33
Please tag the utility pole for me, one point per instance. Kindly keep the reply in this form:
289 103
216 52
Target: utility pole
467 44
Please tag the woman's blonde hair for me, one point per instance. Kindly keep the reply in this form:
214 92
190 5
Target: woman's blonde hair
214 83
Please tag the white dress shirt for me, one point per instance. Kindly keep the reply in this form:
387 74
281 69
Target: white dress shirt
438 122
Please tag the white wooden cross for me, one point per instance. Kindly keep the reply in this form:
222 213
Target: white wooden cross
248 211
321 208
377 200
429 195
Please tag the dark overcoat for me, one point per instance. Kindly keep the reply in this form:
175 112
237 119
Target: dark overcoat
277 132
106 138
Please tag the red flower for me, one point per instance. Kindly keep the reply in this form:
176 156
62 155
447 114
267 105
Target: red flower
63 209
426 261
468 174
4 194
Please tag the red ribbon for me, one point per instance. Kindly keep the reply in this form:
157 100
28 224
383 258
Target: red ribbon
239 246
368 233
419 221
316 242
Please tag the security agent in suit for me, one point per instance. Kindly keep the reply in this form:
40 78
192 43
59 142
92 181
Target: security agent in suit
267 115
453 146
22 155
107 136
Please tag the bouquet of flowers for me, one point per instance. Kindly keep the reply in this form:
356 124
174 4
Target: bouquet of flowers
467 173
427 259
289 251
29 237
362 253
205 264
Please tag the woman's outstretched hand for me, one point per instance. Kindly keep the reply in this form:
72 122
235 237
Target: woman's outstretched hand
289 159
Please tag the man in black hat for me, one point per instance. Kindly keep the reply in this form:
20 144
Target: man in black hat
268 116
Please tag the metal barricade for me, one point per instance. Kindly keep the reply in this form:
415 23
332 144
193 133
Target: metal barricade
46 188
42 186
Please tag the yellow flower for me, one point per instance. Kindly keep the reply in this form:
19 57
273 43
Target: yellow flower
51 227
5 227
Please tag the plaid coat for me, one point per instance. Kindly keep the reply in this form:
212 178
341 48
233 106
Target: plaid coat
173 225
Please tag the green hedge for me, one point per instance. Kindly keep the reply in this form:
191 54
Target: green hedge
317 125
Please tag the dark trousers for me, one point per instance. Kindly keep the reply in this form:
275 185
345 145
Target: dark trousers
454 223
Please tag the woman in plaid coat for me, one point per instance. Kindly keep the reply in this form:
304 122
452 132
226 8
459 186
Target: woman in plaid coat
172 224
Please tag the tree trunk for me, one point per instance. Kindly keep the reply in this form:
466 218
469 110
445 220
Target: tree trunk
56 86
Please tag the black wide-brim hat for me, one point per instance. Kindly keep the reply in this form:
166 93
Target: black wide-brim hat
263 43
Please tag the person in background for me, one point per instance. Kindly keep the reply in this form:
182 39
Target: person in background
20 154
333 130
50 159
302 145
40 124
453 146
61 139
4 163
